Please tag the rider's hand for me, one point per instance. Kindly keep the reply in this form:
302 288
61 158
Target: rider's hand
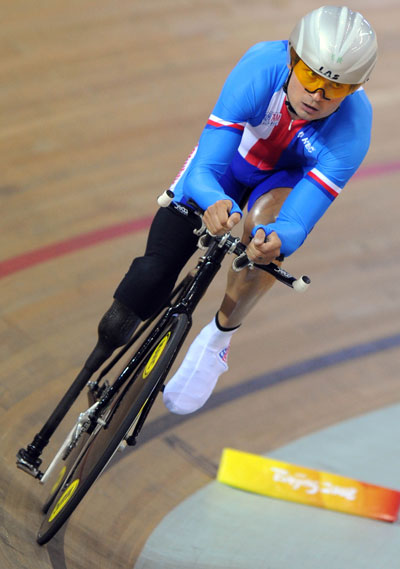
264 251
217 217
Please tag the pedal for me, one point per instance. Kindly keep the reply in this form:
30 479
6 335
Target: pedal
29 464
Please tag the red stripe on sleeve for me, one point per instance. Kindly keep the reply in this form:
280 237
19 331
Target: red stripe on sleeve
230 125
323 184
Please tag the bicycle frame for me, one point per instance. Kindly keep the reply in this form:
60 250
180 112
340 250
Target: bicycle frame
187 300
188 294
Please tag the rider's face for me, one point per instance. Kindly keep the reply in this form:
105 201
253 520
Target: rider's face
310 106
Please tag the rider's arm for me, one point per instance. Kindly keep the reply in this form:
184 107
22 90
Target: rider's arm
346 140
242 98
303 207
216 149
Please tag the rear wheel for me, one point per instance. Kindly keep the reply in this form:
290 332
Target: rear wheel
96 448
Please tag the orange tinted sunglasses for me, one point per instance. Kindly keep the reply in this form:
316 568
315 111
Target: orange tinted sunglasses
311 81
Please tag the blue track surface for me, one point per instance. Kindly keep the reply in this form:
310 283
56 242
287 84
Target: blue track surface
223 528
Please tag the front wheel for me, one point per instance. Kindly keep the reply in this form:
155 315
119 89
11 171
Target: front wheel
96 448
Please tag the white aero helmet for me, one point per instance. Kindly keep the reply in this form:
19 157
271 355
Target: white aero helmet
337 43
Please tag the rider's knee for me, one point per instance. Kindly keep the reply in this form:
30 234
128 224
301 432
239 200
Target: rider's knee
265 209
147 285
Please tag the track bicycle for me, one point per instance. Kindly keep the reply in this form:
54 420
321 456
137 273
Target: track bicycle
118 407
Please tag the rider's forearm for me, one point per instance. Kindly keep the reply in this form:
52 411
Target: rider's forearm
304 206
203 187
292 235
215 151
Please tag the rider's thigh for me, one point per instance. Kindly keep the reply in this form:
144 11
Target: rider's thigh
149 281
265 210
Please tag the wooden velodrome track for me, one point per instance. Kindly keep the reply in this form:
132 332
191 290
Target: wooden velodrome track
100 104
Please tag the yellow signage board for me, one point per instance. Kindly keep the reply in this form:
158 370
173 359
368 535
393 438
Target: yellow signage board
277 479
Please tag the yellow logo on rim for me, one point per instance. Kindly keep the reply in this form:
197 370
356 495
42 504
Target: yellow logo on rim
64 499
155 356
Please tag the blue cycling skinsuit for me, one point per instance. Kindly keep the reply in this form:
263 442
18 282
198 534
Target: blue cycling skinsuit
249 146
251 143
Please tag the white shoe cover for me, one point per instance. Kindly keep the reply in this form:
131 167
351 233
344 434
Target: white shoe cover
198 374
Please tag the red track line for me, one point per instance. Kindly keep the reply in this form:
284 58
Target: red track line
43 254
37 256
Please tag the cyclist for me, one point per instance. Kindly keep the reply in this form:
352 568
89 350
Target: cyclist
291 126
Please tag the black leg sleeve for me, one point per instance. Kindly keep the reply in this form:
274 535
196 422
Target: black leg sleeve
151 278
